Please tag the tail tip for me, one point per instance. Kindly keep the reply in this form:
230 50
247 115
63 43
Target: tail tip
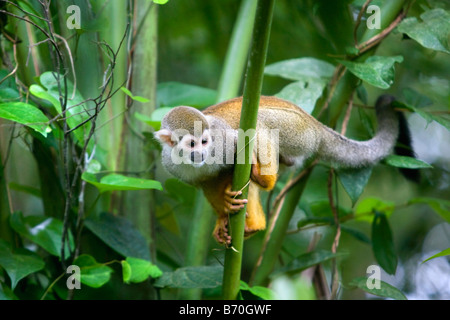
384 101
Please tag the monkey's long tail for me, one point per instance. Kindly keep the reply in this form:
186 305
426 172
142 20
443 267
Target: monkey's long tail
348 153
404 148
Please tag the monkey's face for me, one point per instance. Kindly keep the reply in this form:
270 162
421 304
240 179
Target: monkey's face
185 148
194 149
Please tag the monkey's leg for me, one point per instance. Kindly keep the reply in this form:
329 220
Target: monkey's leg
255 218
266 182
265 162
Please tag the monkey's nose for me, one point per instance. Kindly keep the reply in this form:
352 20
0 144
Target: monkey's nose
196 157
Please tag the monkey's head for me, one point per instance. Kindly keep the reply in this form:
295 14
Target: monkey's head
186 141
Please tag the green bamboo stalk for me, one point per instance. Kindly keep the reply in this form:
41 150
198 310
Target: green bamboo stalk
250 105
198 241
109 137
344 89
139 206
5 210
229 84
237 54
276 231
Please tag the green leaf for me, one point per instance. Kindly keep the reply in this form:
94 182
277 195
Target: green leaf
171 94
362 94
26 189
405 162
180 191
191 277
94 166
25 114
155 119
440 206
18 265
135 98
6 293
354 181
115 182
138 270
383 244
148 120
385 290
77 111
429 117
167 217
126 271
376 70
443 253
307 260
315 220
300 69
366 208
432 32
355 233
43 231
9 95
415 99
322 208
160 1
119 234
303 93
93 274
258 292
311 77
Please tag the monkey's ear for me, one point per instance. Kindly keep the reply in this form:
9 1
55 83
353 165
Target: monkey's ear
164 136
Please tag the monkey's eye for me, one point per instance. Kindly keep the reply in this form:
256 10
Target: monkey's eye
204 141
192 143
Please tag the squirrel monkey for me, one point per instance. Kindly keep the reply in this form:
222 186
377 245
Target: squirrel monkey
200 148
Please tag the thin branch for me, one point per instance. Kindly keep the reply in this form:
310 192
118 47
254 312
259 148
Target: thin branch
290 184
375 40
348 113
15 68
69 52
335 281
358 21
337 75
28 21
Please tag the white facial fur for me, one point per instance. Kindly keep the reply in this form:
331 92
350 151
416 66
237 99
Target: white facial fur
194 150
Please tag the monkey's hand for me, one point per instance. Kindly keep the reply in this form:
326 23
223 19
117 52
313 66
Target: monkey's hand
221 231
231 204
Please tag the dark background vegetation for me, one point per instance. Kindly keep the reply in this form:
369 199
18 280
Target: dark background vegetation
153 225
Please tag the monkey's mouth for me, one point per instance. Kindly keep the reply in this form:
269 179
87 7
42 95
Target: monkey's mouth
198 159
198 164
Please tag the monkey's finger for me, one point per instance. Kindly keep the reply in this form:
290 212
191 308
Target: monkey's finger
229 208
231 193
236 201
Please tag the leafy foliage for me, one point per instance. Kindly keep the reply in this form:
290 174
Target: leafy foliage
80 169
385 290
376 70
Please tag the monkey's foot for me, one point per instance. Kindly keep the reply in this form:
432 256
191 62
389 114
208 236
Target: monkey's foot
221 231
231 204
248 231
